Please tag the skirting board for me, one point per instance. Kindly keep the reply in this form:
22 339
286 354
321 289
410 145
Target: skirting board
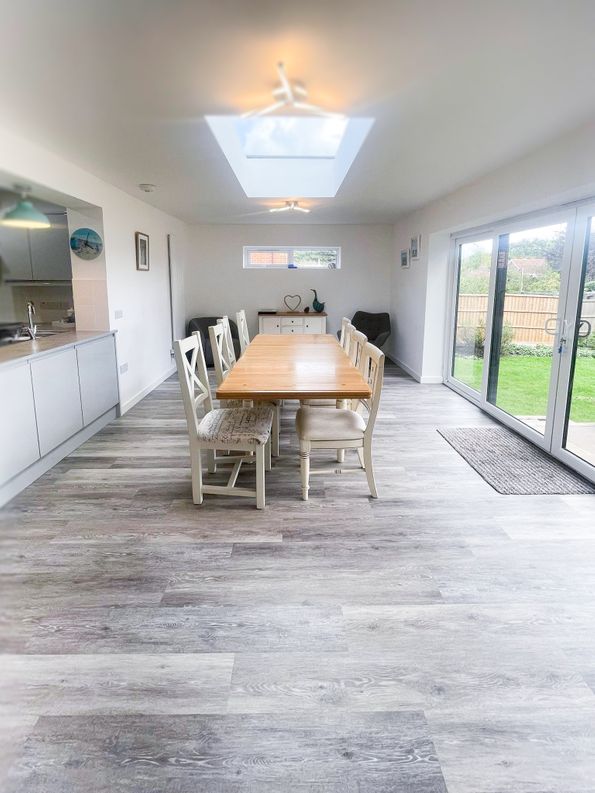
126 406
19 482
425 379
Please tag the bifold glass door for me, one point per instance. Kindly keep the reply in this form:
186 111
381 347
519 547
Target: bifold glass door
522 339
574 439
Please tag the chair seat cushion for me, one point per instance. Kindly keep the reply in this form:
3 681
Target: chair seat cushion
237 426
329 424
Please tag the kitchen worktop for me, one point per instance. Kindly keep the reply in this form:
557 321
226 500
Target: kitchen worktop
24 350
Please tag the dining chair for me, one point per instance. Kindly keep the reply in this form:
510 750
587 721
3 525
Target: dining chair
331 428
223 366
242 324
353 345
245 430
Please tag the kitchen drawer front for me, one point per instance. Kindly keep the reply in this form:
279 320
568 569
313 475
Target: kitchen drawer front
287 329
269 325
315 325
57 398
292 322
18 431
98 377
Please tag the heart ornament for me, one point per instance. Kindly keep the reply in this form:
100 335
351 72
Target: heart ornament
293 302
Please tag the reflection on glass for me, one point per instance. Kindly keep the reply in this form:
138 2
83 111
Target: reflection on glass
475 260
580 421
524 328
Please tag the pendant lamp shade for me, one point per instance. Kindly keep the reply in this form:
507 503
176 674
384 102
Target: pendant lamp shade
25 216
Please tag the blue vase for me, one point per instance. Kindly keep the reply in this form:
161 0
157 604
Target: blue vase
316 304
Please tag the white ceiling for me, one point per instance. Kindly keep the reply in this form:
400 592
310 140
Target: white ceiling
457 87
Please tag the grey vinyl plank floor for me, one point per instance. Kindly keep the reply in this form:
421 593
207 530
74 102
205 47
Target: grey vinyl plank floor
440 638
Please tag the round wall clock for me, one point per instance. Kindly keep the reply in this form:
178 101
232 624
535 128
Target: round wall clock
86 243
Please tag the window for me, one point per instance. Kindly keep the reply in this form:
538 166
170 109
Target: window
291 258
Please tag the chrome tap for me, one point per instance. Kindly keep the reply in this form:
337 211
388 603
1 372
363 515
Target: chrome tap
31 327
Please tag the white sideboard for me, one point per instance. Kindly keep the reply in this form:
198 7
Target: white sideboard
293 322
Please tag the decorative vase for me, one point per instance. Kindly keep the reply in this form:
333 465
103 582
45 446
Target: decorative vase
316 304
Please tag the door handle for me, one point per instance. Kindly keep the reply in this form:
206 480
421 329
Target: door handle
549 328
584 334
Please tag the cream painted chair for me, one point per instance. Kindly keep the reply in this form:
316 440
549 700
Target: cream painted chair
353 344
245 430
243 333
329 428
224 363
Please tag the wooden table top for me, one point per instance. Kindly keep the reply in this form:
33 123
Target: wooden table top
300 366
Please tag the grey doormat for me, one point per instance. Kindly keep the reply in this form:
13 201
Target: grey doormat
512 465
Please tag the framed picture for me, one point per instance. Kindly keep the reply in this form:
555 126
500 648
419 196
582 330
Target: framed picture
404 258
142 250
415 246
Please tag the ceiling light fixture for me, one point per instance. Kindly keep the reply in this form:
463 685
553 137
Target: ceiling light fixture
24 215
290 95
290 206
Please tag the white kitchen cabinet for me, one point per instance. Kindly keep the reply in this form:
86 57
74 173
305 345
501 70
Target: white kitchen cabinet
98 377
295 323
57 398
14 250
50 251
18 432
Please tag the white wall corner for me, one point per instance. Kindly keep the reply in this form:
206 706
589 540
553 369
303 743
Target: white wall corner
130 403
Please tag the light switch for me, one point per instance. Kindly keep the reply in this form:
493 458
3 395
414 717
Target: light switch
118 314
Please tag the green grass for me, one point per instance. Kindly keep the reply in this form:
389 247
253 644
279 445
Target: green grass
523 384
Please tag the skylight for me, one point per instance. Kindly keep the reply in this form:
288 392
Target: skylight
280 156
291 136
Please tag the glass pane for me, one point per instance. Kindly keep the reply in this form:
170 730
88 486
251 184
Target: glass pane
580 421
524 331
475 259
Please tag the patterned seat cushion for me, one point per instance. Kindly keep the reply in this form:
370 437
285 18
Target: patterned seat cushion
237 426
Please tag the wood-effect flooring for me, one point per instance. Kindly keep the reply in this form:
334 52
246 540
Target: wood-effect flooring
441 638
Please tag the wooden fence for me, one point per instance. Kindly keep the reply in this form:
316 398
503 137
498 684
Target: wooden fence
526 315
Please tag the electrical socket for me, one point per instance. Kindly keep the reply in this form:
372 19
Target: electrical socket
123 368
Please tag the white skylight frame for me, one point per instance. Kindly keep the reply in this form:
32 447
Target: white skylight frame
280 176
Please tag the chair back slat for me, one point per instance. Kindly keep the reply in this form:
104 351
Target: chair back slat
242 324
229 351
349 331
357 343
220 352
194 380
345 322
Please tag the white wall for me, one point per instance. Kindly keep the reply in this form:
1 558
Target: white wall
143 338
216 283
559 172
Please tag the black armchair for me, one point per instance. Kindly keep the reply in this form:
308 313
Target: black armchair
376 327
202 324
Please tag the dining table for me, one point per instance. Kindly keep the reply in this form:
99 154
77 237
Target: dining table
294 366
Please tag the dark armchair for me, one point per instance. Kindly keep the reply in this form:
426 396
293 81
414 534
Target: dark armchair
202 324
376 327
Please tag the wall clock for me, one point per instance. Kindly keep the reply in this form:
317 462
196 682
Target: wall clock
86 243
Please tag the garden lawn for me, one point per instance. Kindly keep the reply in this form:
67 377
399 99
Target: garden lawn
523 384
